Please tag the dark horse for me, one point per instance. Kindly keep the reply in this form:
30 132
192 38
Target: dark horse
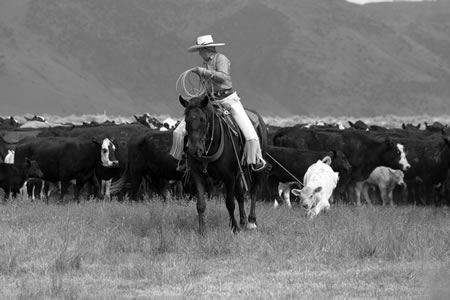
215 151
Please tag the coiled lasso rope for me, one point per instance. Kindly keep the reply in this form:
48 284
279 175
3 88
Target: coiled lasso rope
192 90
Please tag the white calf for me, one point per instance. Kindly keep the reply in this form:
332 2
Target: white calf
319 182
385 179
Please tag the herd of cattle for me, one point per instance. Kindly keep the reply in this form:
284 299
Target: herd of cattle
311 164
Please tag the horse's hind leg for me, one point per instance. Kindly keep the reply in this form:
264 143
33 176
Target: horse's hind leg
252 215
230 186
259 180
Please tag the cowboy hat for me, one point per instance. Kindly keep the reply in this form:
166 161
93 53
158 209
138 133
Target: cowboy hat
203 42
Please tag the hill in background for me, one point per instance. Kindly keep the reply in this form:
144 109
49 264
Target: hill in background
291 57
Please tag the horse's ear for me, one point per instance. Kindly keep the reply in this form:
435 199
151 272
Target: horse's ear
183 101
204 101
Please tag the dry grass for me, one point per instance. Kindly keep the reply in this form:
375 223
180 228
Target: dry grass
152 250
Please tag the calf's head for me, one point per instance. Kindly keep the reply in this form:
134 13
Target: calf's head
308 196
397 177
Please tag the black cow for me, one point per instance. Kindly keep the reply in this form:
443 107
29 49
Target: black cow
297 161
36 118
67 158
119 133
9 123
271 132
149 121
360 125
410 126
148 157
428 154
13 176
435 127
287 161
364 151
430 162
377 128
3 149
13 135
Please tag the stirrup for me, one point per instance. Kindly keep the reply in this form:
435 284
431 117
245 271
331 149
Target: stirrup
258 166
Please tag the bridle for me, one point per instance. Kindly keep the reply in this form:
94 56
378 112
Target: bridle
207 158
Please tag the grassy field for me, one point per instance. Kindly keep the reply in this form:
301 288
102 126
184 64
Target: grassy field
152 250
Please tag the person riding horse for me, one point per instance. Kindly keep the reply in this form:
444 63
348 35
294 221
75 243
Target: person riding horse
215 74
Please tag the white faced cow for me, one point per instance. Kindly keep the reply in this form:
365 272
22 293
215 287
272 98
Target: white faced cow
385 179
319 182
68 158
9 158
108 155
403 161
109 162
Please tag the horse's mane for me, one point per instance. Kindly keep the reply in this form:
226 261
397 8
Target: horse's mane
201 102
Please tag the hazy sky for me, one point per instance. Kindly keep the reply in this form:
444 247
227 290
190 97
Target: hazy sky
368 1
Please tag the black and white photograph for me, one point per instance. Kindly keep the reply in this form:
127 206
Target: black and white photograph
225 149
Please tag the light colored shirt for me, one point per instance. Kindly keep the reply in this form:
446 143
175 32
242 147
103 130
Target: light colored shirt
218 73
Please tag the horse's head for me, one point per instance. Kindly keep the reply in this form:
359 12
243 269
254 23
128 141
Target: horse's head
198 114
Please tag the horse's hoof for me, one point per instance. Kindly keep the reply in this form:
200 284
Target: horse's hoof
251 226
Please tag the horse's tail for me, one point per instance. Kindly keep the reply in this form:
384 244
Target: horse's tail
262 132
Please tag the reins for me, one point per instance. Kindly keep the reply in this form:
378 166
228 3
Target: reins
286 170
241 172
210 158
212 136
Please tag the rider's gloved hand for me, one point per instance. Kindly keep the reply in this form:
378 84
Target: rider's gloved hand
202 72
198 70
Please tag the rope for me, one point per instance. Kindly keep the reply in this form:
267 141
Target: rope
191 90
287 171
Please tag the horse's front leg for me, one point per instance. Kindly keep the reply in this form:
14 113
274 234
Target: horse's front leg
230 185
201 201
239 193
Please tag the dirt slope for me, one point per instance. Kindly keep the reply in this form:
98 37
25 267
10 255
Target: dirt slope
288 57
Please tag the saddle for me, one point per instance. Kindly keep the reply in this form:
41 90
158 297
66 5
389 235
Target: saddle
225 116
